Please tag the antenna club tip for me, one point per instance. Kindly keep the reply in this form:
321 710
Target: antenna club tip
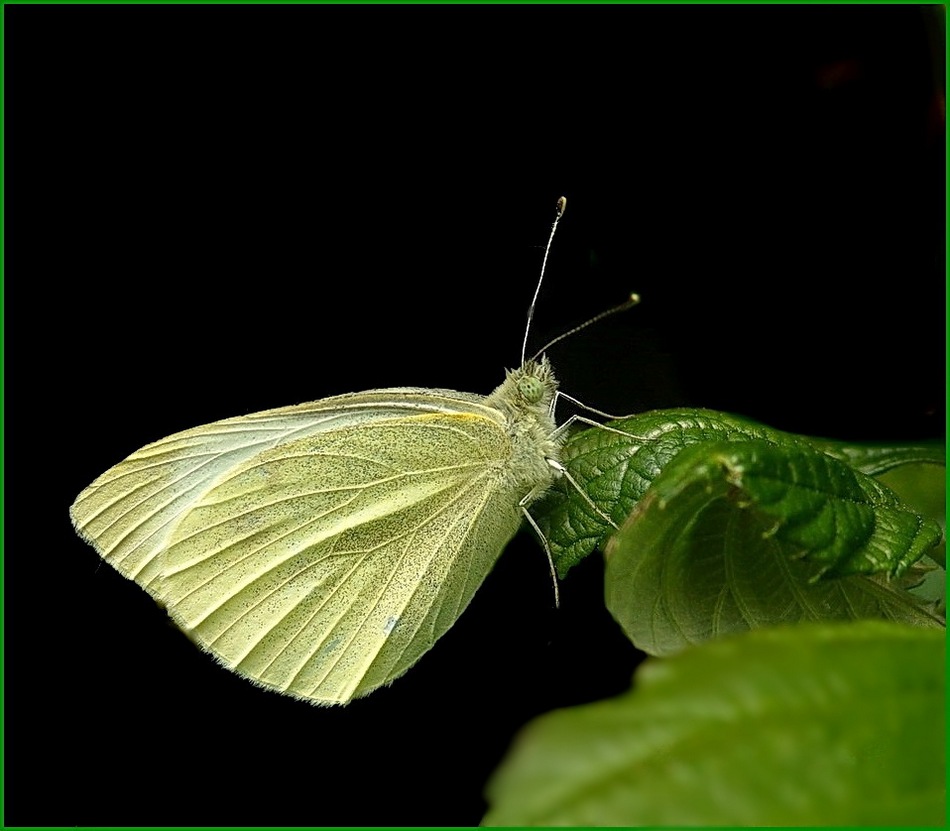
561 206
634 298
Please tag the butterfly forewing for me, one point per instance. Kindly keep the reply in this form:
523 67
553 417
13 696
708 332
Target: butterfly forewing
320 549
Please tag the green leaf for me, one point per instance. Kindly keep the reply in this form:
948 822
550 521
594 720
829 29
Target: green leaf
875 459
614 465
734 536
831 724
924 488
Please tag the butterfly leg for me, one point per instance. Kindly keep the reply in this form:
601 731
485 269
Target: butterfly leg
590 422
573 483
546 547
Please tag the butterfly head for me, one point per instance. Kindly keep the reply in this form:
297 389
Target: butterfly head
530 388
534 381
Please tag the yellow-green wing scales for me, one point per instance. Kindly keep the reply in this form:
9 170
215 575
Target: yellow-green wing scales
327 566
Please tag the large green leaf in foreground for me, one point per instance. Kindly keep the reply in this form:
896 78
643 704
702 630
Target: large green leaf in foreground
816 724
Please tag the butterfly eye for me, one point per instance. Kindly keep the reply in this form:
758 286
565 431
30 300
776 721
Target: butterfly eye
531 389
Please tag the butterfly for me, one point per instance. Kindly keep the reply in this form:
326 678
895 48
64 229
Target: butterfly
321 549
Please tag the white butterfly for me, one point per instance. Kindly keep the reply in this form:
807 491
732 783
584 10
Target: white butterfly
321 549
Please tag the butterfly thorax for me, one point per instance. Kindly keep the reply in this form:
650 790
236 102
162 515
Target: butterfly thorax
525 398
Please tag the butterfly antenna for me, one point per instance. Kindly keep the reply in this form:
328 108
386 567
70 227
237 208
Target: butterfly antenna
561 206
628 304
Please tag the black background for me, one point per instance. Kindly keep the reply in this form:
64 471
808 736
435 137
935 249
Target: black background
215 210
